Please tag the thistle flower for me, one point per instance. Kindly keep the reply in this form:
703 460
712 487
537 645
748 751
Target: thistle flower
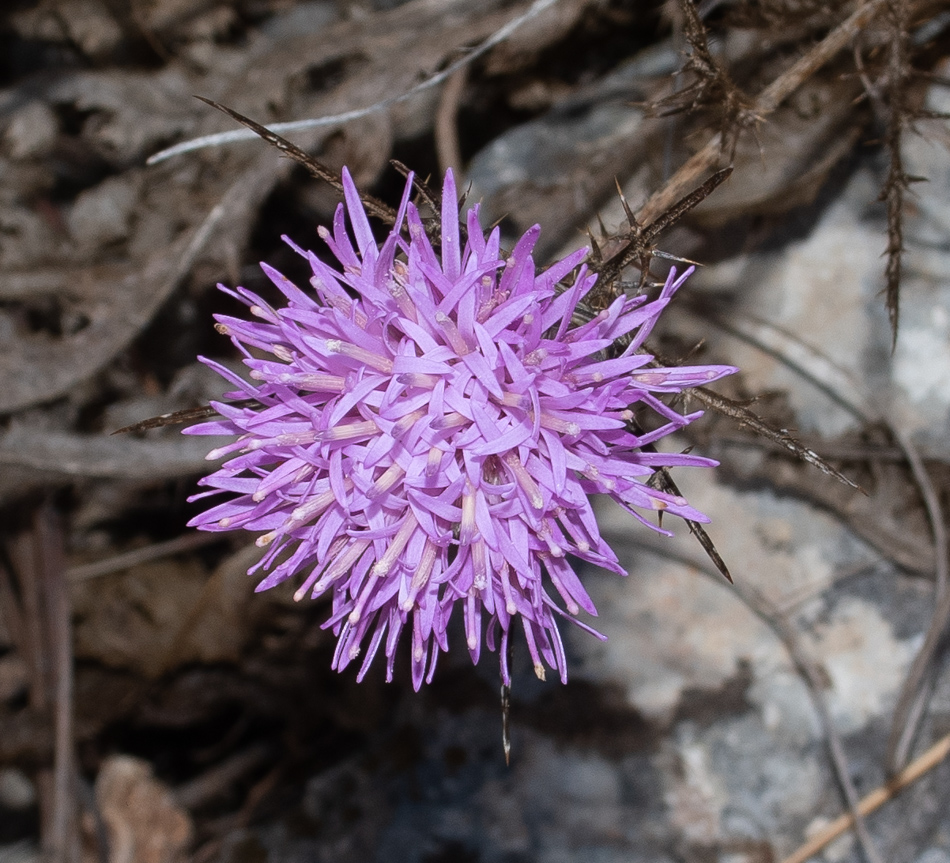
427 431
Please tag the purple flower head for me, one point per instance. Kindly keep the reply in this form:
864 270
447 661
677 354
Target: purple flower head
427 429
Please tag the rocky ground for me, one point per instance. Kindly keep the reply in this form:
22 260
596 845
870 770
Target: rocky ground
153 708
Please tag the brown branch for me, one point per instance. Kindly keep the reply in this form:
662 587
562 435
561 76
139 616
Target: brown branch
34 642
446 125
913 694
62 843
916 690
45 636
877 798
641 239
765 103
12 613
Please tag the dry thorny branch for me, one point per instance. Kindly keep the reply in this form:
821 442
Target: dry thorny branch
710 86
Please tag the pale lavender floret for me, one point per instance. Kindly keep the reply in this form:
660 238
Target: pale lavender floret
435 439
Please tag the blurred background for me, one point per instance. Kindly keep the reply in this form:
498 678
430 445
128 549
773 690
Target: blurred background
153 708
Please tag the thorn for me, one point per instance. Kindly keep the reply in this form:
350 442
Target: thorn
668 257
631 219
595 251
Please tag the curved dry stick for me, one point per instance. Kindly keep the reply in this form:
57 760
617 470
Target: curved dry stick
814 680
915 692
817 368
446 127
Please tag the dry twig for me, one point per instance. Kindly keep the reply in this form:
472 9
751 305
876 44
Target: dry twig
877 798
765 103
446 126
46 639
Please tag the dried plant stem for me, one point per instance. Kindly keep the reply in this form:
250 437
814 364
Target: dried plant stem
33 641
12 613
446 126
877 798
767 101
120 562
62 843
44 631
932 504
914 693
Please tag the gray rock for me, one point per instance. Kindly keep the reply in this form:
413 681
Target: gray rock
16 789
32 131
101 215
